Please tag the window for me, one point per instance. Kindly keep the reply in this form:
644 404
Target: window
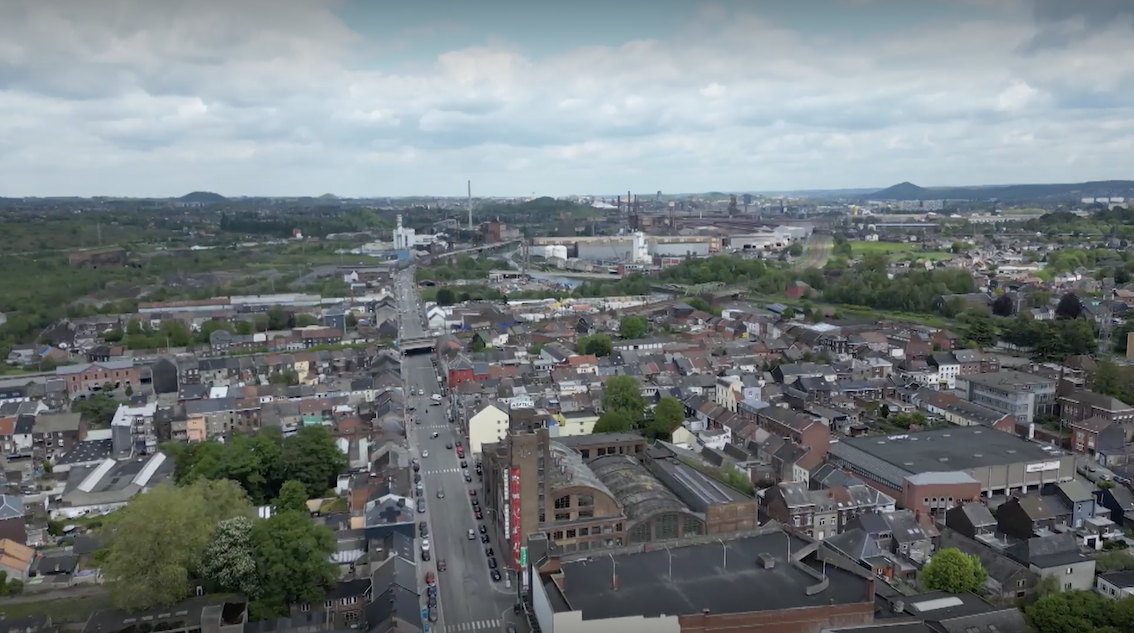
585 453
1067 586
692 526
665 527
351 618
640 533
1021 583
542 517
586 514
822 521
563 502
562 516
1069 571
584 500
571 533
584 531
557 535
350 600
304 607
328 604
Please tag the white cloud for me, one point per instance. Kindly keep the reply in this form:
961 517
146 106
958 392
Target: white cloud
280 97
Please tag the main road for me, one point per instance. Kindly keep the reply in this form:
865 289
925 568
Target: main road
470 601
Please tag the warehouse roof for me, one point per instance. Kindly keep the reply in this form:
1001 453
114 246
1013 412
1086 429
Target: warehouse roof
951 449
640 494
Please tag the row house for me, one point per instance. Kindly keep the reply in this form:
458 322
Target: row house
1066 508
89 378
822 513
1080 404
53 434
1098 437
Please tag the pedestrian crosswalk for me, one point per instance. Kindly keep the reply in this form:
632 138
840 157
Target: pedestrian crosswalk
479 625
442 470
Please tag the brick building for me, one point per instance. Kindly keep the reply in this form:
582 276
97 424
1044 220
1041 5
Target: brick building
90 378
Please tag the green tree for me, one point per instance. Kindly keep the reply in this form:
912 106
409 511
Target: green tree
229 560
597 344
292 560
154 544
535 349
293 497
311 457
613 422
632 327
953 571
795 250
622 393
669 413
304 320
446 297
1070 612
981 330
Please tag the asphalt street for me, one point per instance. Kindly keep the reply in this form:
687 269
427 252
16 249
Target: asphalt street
469 600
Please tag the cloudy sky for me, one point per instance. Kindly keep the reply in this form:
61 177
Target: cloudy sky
383 97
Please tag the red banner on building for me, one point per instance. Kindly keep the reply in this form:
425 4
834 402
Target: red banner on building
514 508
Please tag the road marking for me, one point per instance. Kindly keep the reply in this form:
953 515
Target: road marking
479 625
445 470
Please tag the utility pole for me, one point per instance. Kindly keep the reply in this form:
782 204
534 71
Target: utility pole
470 206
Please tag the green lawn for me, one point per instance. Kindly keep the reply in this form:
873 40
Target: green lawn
904 250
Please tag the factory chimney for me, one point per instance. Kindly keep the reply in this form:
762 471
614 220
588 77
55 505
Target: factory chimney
470 206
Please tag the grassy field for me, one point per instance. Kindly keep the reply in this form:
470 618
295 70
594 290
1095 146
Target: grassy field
903 250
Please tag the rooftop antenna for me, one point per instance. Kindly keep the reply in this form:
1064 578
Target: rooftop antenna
470 206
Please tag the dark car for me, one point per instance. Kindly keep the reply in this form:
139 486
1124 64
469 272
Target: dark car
417 467
421 505
425 554
511 629
488 552
458 443
448 445
483 529
484 538
421 492
492 563
441 566
417 478
423 527
432 601
475 503
472 492
479 514
495 576
431 590
464 464
468 477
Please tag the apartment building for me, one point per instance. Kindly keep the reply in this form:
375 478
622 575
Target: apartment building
1025 396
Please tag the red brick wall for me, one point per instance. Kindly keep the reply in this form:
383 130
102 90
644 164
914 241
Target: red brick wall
804 620
913 497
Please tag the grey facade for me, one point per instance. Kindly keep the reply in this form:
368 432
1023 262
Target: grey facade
1015 393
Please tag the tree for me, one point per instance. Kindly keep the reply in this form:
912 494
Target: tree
953 571
632 327
1070 612
981 330
597 344
292 561
229 560
789 313
311 457
293 496
884 411
1004 306
535 349
622 393
669 413
446 297
304 320
155 543
613 422
1069 307
351 320
795 250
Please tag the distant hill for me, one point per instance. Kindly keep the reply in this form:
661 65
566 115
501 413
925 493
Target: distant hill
202 196
1073 191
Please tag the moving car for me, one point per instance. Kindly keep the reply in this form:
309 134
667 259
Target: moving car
435 435
448 445
425 453
468 477
441 566
472 535
440 494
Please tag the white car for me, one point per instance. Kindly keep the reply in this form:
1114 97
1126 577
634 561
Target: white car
472 534
425 453
425 545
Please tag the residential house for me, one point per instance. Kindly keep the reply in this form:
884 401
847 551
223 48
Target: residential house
1097 436
821 513
12 519
89 378
1079 404
1007 580
53 434
487 424
1120 501
1117 585
971 520
1057 555
16 559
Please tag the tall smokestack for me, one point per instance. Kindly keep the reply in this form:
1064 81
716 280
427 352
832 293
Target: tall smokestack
470 206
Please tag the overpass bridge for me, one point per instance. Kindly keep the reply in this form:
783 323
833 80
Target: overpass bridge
477 249
412 345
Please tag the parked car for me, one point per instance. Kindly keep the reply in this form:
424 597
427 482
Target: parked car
487 552
483 529
495 575
492 563
421 506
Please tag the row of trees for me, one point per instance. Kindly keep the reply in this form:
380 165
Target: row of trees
264 462
172 539
175 334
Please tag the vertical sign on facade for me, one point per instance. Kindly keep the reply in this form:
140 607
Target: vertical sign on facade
514 508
